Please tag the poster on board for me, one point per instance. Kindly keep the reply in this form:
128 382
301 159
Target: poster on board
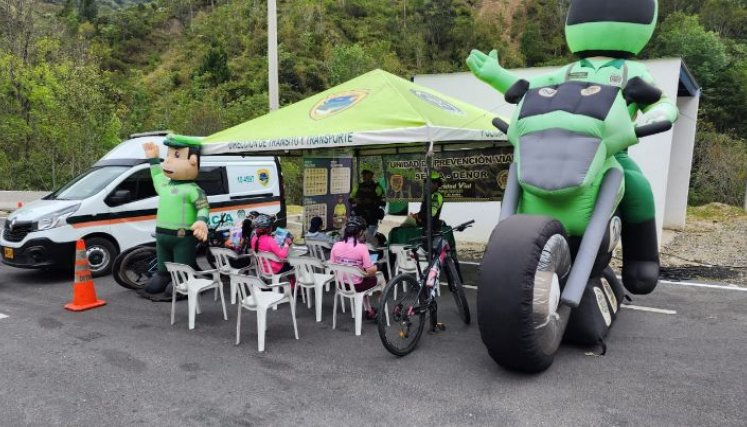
326 190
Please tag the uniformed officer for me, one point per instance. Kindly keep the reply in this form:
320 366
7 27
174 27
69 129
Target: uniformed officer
367 200
437 203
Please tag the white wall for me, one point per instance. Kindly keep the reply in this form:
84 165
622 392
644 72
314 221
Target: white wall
653 154
678 183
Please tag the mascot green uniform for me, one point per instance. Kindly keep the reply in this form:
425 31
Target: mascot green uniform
183 208
604 34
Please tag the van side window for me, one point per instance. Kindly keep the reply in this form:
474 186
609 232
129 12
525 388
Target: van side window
140 185
212 180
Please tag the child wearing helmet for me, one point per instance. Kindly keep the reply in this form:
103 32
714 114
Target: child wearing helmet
352 250
262 241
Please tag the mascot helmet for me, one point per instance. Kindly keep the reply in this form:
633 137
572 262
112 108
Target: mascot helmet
616 28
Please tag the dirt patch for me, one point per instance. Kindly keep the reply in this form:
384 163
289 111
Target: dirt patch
712 247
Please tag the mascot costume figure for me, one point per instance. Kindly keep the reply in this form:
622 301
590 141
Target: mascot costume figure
604 34
183 208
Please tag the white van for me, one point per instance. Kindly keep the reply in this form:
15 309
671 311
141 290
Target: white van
112 206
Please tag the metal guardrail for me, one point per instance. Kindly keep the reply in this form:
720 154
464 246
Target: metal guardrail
10 200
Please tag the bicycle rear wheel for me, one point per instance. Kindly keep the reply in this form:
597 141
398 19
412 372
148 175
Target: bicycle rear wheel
457 289
401 315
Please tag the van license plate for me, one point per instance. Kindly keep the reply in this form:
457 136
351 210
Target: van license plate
8 253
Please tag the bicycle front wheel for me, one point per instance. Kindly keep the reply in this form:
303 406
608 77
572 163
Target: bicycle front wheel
401 315
457 289
134 267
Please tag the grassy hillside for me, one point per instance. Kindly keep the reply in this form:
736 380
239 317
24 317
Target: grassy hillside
198 66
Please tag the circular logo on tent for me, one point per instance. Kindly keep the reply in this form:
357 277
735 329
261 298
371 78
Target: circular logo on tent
437 102
336 103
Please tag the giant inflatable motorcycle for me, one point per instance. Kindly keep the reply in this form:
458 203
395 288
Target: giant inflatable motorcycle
573 192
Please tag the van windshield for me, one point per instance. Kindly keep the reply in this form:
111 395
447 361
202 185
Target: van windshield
87 184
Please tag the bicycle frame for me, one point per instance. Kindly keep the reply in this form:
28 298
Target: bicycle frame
441 247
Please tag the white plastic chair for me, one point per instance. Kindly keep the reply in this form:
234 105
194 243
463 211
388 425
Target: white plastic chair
184 282
223 257
308 277
264 270
318 249
344 288
252 298
405 263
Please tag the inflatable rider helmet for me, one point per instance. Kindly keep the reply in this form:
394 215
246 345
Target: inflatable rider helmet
613 28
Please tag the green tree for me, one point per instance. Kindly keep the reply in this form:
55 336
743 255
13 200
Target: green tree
682 35
347 62
88 10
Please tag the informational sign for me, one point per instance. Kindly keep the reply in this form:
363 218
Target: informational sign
326 190
473 175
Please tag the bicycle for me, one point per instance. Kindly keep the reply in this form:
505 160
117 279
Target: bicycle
134 267
406 300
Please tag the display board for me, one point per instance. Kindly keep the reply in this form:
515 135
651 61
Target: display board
326 190
474 175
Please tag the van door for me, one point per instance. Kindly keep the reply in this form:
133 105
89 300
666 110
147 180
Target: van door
133 206
212 180
254 186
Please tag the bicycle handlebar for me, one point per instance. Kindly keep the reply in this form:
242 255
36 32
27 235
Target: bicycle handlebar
460 227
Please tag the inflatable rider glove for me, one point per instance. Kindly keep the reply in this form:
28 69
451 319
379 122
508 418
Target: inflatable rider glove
487 69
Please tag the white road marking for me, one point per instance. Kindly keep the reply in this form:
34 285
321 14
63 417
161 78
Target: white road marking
728 286
649 309
3 316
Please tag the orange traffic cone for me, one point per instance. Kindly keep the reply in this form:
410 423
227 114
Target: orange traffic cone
84 294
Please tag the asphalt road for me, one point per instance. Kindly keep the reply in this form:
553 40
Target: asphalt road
124 364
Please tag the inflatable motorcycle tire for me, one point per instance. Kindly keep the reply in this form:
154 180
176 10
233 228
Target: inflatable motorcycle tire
592 319
507 304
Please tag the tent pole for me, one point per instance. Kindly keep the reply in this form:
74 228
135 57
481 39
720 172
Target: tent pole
428 202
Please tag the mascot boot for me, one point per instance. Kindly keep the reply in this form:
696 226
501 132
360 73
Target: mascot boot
158 283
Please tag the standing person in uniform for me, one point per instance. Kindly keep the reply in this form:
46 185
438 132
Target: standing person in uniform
437 203
182 215
367 199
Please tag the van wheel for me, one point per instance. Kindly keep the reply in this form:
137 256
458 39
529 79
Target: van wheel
100 253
